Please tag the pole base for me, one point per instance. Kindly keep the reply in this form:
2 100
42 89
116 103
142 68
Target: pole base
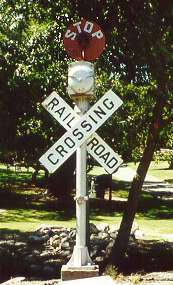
80 257
72 273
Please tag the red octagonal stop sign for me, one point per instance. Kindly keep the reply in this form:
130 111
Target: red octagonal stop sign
84 40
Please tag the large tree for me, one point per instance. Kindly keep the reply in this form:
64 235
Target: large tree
139 35
157 56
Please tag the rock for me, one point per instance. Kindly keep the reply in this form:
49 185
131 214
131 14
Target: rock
93 253
48 270
94 239
35 268
103 227
36 252
43 228
103 235
55 241
63 235
109 248
93 229
15 280
46 254
9 242
35 238
64 253
72 234
20 244
64 245
159 276
99 259
53 262
103 252
139 234
113 229
29 258
50 247
113 235
93 236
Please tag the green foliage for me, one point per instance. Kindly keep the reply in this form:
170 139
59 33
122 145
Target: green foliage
164 155
112 271
137 61
33 64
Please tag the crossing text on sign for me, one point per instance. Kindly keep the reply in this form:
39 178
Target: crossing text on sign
85 126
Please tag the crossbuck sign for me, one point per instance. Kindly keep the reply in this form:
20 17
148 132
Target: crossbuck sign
81 129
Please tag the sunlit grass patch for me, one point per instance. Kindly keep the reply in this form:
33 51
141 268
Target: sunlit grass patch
24 207
159 170
29 219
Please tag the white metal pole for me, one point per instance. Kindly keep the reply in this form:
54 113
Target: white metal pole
80 256
81 195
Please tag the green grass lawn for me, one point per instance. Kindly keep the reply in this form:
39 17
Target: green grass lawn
23 207
155 229
159 170
29 220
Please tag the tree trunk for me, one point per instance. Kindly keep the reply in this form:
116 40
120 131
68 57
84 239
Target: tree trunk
121 243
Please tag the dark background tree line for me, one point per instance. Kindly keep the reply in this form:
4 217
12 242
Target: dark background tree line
137 64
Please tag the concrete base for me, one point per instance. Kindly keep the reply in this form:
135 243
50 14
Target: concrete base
101 280
72 273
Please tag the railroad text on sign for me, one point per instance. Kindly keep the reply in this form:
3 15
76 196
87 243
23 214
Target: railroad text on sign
81 131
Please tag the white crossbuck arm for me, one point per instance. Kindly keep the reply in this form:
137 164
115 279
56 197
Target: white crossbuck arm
79 130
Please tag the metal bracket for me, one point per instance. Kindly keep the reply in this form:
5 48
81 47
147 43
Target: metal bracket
81 199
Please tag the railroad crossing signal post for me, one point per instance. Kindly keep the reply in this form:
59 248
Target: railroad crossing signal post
81 88
83 41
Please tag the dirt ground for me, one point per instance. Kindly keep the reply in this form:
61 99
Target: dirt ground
155 278
56 282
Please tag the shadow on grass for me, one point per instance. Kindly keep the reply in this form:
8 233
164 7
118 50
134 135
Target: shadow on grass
28 204
150 206
9 234
169 181
33 216
10 177
155 208
105 207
